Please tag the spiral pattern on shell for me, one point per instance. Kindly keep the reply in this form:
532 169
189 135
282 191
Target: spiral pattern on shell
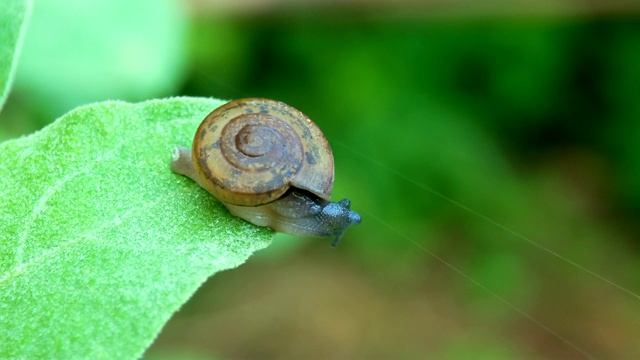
250 151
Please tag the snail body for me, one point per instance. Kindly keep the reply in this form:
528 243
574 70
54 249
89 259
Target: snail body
268 164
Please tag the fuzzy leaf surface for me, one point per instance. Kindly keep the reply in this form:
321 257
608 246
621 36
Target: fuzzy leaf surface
100 242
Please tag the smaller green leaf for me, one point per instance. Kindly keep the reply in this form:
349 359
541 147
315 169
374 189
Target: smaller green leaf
13 20
101 242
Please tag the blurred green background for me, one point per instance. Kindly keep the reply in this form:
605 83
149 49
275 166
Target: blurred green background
528 115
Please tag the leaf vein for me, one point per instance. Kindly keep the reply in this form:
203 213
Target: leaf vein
46 196
22 268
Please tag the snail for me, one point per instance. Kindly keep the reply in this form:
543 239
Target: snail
268 164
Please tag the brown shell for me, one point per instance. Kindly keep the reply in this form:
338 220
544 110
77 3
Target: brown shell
249 152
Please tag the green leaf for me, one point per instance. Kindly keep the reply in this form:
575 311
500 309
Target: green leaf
101 242
13 20
77 52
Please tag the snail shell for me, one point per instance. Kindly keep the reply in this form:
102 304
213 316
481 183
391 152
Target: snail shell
253 150
269 164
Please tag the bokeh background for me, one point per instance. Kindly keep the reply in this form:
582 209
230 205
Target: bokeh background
493 149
